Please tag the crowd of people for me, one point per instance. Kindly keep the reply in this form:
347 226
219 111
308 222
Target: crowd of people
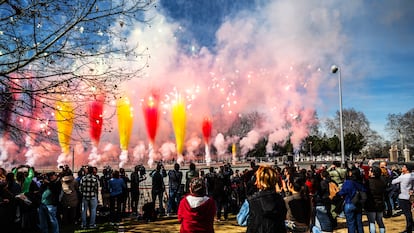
265 198
315 198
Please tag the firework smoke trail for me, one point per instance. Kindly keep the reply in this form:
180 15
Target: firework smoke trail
206 129
220 144
95 114
151 155
123 158
233 154
64 121
208 156
125 123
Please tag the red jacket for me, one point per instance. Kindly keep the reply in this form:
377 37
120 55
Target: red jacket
196 214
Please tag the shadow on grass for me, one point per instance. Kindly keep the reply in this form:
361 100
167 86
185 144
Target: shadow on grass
162 225
170 224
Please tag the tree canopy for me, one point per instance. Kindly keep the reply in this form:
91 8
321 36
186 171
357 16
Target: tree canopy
70 50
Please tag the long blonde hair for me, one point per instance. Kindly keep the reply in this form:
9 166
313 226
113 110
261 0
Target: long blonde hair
266 178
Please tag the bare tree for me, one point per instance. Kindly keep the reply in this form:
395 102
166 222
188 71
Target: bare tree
355 124
401 128
63 50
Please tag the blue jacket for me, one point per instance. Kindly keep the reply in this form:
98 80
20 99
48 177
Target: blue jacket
116 186
349 188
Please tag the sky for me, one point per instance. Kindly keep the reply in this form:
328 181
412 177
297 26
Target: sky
371 42
275 57
227 59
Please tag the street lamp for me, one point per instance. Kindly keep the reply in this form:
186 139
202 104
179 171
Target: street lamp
335 69
310 150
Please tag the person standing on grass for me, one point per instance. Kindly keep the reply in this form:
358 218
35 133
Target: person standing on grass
136 177
126 198
116 191
323 204
353 212
406 188
174 182
196 210
89 190
158 186
375 205
69 198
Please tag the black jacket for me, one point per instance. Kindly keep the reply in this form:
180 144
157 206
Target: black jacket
267 213
376 191
158 180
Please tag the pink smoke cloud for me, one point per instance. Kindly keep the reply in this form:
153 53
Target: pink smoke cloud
268 63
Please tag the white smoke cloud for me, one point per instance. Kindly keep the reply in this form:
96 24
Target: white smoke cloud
220 144
168 150
247 143
123 158
94 157
139 151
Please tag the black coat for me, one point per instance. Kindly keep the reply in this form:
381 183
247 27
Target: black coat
267 213
376 191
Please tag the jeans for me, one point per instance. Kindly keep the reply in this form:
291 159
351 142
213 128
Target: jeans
173 201
375 217
48 213
389 204
323 219
353 217
91 205
406 209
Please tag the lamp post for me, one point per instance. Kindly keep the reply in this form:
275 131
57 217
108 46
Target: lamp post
335 69
310 150
401 139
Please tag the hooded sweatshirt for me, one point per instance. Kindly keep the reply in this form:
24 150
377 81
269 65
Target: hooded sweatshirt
196 214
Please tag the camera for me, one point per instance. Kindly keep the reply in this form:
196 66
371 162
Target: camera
41 177
64 167
107 172
140 169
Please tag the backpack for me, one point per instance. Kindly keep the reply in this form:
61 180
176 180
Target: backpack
337 201
359 199
333 189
